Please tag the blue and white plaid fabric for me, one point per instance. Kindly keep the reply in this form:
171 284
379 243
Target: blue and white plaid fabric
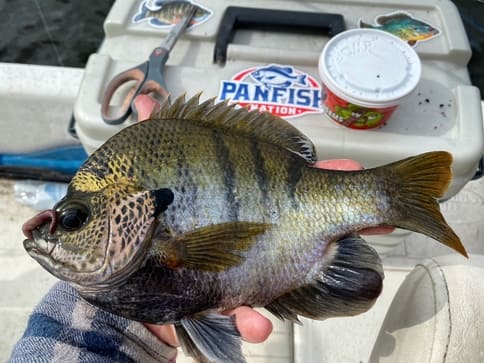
64 328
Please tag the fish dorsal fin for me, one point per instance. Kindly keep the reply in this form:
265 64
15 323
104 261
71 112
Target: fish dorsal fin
383 19
287 69
260 125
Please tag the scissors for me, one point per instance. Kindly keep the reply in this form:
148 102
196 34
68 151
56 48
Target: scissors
148 76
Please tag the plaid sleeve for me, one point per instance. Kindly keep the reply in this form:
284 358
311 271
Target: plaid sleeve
65 328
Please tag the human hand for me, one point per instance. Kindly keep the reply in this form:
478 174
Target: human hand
253 327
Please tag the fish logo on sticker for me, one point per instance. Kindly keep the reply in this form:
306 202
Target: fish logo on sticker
166 13
278 76
279 89
403 25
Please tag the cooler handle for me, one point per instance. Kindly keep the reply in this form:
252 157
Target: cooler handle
267 19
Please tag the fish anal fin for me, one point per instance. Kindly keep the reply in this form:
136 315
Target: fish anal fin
348 285
400 15
280 310
210 338
212 248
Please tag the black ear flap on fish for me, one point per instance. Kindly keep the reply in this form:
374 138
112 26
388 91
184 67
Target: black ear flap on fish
348 285
163 198
211 248
210 338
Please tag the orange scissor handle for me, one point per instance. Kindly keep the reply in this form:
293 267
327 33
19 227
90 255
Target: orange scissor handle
137 74
148 76
149 80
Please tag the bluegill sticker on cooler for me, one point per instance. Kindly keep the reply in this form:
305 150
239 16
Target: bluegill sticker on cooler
166 13
404 25
279 89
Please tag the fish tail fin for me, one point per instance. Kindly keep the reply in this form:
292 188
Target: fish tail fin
420 181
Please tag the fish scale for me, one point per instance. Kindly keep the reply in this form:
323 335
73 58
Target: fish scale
229 210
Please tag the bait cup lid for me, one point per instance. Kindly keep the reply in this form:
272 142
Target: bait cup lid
369 67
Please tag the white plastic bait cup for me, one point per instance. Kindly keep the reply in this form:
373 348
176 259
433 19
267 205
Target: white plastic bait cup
366 73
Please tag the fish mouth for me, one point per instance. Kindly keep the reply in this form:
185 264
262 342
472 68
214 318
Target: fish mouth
41 249
39 245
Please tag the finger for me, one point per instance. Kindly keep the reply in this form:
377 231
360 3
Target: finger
338 164
166 333
253 326
145 105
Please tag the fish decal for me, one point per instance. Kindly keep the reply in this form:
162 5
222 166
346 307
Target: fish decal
403 25
278 76
166 13
206 207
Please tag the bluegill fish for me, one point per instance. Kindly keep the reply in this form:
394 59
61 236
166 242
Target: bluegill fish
404 26
206 207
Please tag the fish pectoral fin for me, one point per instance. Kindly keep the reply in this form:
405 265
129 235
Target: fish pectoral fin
210 338
348 285
212 248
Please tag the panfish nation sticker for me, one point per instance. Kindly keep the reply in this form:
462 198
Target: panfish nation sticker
279 89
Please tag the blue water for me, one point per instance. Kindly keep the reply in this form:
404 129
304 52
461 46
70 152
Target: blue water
66 32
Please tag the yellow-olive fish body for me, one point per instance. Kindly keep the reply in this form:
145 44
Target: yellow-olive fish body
206 207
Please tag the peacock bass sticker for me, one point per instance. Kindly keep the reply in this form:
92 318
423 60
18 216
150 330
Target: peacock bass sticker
403 25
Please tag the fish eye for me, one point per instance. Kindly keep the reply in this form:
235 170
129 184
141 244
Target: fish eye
73 216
